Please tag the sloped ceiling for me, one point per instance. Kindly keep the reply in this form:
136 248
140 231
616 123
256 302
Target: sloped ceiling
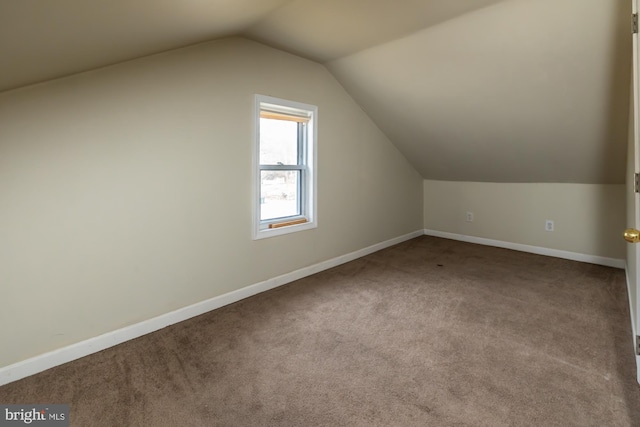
43 39
522 91
479 90
329 29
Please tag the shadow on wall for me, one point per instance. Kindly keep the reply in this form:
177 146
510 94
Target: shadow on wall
609 212
617 120
617 103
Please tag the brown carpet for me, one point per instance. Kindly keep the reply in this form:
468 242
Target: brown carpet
431 332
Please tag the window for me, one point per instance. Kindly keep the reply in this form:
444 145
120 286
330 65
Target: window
285 167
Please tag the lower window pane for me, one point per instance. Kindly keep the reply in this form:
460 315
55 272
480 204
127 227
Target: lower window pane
279 195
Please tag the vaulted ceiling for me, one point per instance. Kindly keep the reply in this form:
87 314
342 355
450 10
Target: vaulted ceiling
478 90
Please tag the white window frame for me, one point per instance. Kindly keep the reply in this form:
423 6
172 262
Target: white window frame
308 188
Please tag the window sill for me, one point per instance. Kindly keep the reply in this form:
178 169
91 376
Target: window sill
284 228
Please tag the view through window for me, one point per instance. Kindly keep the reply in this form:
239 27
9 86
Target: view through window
280 188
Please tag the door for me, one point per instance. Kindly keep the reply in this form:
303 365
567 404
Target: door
633 199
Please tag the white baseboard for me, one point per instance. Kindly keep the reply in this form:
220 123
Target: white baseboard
574 256
75 351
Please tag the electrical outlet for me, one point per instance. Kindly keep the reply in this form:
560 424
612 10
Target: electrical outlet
469 216
548 225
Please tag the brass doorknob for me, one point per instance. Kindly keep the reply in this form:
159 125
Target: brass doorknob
632 235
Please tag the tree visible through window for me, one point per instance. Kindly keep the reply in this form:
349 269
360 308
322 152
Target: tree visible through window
285 166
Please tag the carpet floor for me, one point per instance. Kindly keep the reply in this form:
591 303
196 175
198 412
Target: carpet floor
431 332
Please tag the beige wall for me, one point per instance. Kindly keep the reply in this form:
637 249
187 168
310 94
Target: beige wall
588 218
125 192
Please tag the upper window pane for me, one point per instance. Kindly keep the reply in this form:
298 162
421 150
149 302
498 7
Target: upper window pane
278 142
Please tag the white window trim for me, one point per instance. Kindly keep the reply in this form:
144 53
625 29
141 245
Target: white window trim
310 196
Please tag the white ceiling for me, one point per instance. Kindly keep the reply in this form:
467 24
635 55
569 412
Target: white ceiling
329 29
484 90
45 39
522 91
